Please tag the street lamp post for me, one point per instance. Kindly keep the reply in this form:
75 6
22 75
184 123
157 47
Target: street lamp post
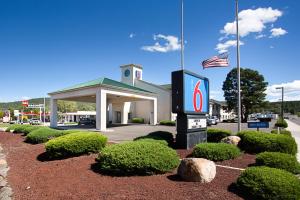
282 94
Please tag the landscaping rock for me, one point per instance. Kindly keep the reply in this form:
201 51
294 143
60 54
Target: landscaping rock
231 140
197 170
5 193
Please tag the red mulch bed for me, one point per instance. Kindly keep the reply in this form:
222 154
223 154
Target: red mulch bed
72 178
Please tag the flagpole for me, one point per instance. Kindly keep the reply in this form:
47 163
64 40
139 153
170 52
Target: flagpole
182 44
238 63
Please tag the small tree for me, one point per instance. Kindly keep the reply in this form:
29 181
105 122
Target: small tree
253 88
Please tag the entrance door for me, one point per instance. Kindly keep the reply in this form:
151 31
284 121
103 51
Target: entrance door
118 117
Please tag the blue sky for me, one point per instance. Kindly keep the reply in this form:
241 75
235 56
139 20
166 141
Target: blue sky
51 44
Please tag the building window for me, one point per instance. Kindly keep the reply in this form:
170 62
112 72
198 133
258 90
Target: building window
129 115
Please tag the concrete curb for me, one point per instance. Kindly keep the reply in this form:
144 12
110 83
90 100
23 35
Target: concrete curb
5 190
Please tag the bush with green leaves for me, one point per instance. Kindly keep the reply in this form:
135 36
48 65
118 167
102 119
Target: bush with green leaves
75 144
216 135
268 183
137 120
281 123
153 140
159 135
12 127
282 131
137 158
25 129
298 114
42 135
167 123
216 151
278 160
257 142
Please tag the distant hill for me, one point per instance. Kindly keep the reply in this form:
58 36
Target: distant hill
63 106
17 105
292 107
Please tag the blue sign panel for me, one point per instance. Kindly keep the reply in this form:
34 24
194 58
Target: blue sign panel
258 124
196 94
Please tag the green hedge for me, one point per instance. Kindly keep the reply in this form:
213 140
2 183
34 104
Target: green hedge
153 140
137 120
279 161
216 135
159 135
75 144
42 135
137 158
216 151
12 127
25 129
167 123
257 142
281 123
283 131
269 183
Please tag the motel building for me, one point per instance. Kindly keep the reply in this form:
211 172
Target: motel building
117 102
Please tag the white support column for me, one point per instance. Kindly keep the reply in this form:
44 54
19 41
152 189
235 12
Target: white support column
153 118
124 113
110 112
101 110
53 116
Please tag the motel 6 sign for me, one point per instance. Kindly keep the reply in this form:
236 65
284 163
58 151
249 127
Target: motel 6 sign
190 93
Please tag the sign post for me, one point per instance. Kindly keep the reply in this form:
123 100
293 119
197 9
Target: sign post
190 100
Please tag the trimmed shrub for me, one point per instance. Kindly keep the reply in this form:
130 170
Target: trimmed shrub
216 151
153 140
25 129
167 123
137 158
12 127
257 142
75 144
137 120
216 135
283 131
269 183
42 135
281 123
279 161
159 135
71 131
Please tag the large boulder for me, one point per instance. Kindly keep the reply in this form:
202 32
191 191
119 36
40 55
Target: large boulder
197 170
231 140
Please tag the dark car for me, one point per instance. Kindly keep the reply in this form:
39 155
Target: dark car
86 121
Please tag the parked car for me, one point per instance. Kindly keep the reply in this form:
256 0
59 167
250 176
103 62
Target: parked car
34 121
86 121
211 121
216 118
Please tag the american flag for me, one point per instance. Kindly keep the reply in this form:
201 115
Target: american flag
216 61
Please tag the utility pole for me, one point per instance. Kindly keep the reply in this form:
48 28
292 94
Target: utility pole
182 42
238 63
282 95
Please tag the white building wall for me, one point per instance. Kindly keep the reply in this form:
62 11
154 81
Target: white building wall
163 102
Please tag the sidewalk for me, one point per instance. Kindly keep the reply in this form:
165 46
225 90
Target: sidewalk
295 129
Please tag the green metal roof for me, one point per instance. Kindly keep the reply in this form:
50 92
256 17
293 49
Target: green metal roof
167 86
104 82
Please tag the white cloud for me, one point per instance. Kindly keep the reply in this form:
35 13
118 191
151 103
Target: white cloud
277 32
223 47
260 36
291 91
132 35
252 21
272 47
171 43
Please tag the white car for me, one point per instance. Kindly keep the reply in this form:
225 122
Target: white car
34 122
